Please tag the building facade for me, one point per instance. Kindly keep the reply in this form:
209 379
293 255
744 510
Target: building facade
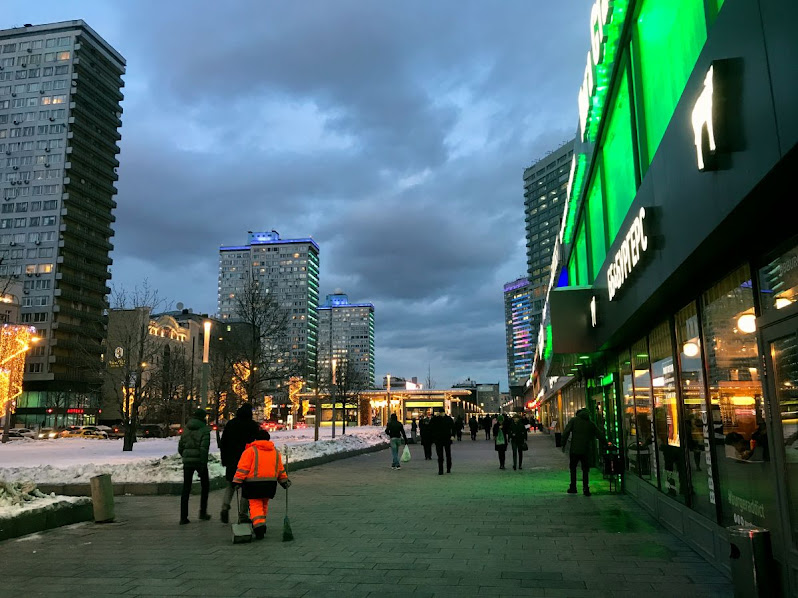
672 312
288 268
59 118
346 334
519 333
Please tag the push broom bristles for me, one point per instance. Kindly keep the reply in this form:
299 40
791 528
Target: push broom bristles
288 535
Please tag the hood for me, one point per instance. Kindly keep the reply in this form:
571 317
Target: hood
262 445
583 413
195 424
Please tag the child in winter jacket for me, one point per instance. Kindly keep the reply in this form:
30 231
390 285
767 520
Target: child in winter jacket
259 471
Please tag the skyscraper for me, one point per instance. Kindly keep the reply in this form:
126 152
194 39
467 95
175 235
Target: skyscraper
519 333
59 118
545 192
288 268
351 328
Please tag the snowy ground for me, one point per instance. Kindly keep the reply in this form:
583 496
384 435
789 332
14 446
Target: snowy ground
76 460
18 497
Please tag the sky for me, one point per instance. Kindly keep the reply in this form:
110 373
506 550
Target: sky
395 134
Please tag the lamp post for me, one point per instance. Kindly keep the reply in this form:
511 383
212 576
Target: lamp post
205 364
334 363
387 401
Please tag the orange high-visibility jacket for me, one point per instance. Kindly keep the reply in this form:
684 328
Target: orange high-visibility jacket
259 470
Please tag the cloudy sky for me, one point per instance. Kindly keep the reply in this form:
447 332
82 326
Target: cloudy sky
393 133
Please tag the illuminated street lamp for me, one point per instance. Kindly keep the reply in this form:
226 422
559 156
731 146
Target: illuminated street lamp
205 365
334 363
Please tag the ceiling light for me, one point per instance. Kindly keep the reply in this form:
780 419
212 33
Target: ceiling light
782 302
747 323
690 349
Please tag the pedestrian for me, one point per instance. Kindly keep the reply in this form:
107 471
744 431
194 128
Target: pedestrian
501 438
486 424
396 432
238 433
518 438
459 425
442 427
193 448
413 429
259 471
473 425
584 433
426 437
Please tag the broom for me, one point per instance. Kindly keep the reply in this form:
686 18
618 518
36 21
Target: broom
288 535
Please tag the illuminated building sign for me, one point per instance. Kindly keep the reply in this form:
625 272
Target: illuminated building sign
702 120
628 255
75 410
599 18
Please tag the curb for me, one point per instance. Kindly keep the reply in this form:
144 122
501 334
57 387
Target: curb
176 488
39 520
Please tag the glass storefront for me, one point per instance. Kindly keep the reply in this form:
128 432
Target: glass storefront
646 451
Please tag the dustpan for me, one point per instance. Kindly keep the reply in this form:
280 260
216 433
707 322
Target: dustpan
242 532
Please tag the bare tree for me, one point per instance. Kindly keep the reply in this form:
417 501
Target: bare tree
132 368
263 364
350 383
430 382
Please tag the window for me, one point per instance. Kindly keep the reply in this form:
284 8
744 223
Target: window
35 368
48 220
595 218
64 55
735 392
62 70
50 43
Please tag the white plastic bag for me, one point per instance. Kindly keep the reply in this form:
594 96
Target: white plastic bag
405 455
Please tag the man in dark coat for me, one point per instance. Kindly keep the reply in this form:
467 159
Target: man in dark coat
441 428
584 434
473 425
487 424
238 433
426 437
194 445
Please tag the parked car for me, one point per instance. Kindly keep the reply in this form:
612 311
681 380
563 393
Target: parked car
150 431
13 435
116 431
47 433
26 432
68 431
81 433
272 425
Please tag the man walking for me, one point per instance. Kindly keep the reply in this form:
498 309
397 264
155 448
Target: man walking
396 432
473 425
426 437
442 430
584 433
238 433
193 448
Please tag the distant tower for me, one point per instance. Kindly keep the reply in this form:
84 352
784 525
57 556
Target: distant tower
287 267
519 333
349 329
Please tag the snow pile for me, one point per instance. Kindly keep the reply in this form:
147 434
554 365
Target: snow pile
154 460
16 498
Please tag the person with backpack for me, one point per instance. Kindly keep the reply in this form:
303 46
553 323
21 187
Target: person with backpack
238 433
193 448
259 471
501 438
396 432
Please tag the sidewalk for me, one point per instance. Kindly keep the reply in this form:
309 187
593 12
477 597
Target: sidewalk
362 529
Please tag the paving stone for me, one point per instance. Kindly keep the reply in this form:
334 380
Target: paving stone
479 531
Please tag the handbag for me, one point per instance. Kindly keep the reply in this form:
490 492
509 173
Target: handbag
525 446
405 455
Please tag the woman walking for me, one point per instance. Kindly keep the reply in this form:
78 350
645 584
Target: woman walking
518 438
501 437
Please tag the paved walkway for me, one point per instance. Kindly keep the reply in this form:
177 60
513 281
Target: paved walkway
363 529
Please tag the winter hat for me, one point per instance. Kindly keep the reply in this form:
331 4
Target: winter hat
262 435
245 411
199 414
501 419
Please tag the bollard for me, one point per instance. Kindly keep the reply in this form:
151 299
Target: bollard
102 498
751 561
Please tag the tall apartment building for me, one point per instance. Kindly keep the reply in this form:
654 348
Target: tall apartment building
545 192
59 119
519 333
351 328
289 268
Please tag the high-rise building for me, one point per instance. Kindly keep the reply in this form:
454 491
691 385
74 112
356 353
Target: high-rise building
288 268
519 333
545 191
346 333
545 187
59 119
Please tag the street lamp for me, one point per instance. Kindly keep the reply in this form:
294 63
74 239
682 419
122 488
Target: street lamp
205 364
333 363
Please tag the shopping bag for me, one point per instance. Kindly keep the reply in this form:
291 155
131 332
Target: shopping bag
405 455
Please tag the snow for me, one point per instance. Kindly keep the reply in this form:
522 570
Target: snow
154 460
19 497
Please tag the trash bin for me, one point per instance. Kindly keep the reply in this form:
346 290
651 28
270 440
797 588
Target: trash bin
751 561
102 498
558 439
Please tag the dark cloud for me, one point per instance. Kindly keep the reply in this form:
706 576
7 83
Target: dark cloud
393 133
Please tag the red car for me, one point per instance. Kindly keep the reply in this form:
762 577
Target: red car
272 425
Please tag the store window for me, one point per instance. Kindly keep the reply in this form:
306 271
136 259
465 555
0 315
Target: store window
696 417
629 415
778 282
668 437
618 157
735 390
595 217
580 250
667 38
647 457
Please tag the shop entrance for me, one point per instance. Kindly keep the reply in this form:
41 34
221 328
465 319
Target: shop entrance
780 342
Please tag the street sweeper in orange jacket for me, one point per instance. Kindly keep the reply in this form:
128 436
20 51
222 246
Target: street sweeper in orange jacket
259 471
